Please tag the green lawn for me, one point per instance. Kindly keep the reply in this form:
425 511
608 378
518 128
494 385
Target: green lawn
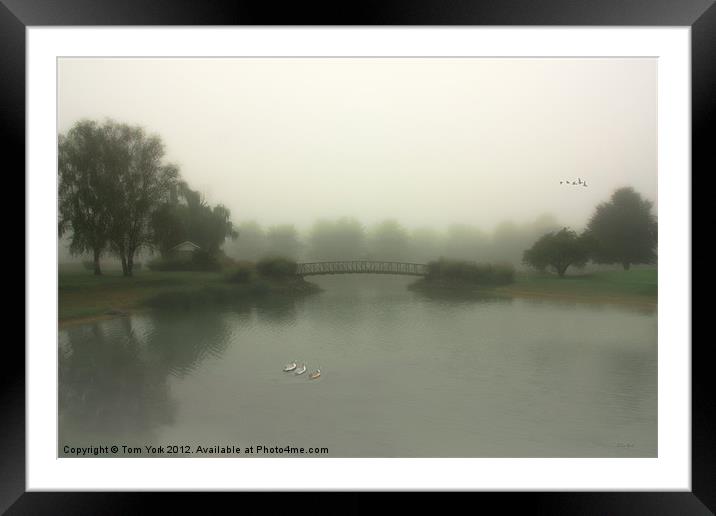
81 294
637 284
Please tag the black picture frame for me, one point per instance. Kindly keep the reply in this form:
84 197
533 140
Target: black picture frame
700 15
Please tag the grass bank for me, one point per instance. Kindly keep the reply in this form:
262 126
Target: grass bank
83 296
637 286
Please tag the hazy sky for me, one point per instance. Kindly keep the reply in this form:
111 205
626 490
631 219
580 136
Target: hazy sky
426 141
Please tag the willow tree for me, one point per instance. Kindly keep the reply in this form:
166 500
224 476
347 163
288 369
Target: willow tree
142 183
187 216
111 179
84 185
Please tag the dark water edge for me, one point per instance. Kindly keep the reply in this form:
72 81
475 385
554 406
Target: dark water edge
447 290
231 294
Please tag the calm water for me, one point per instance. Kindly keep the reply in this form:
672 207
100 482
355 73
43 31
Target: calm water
403 375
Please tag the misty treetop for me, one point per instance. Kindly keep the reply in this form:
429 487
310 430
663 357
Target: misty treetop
335 240
623 230
389 240
283 240
113 181
187 217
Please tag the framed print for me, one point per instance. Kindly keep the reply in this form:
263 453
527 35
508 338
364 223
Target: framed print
416 250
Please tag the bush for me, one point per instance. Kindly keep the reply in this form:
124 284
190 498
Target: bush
470 272
277 268
242 273
200 261
205 261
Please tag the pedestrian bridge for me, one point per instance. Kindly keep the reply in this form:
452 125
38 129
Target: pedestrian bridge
362 267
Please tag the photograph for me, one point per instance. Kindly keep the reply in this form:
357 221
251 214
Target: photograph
357 257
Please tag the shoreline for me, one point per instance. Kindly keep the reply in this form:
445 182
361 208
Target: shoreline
645 302
85 299
97 306
519 290
596 298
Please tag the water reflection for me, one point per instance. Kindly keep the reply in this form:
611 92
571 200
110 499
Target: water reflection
113 375
108 389
459 297
405 375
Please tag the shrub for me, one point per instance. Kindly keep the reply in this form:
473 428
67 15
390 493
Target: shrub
277 268
243 272
205 261
200 261
470 272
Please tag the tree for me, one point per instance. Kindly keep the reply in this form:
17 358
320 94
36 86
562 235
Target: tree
343 239
251 241
282 241
142 183
85 184
623 230
558 250
466 242
508 241
186 216
389 241
427 244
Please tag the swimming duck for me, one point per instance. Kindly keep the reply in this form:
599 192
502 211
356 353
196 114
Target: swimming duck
289 367
301 369
315 374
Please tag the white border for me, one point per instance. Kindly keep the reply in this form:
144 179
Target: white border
671 470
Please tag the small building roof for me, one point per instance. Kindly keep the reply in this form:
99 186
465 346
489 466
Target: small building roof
185 246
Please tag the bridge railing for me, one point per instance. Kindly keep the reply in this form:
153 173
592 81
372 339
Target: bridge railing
361 267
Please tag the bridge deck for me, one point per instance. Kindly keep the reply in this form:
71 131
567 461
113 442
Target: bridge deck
362 267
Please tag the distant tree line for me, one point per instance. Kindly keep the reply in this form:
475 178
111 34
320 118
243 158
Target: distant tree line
117 195
621 231
347 239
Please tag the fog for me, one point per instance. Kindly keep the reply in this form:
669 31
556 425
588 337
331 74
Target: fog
439 146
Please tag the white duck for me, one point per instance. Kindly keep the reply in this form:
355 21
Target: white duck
301 369
289 367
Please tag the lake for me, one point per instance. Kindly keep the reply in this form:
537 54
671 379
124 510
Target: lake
403 375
